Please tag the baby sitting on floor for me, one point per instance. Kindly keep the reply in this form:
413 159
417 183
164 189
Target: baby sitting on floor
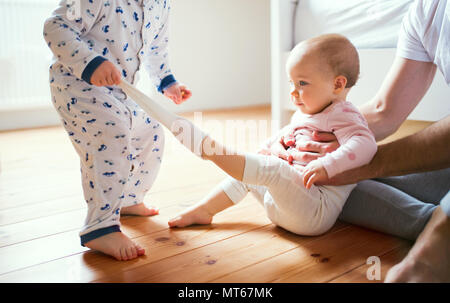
322 70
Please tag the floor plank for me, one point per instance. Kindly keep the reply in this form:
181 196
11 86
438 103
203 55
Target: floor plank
42 209
209 262
40 222
387 260
152 234
320 260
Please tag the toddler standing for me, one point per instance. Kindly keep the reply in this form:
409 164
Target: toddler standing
119 145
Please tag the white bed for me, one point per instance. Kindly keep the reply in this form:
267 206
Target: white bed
371 25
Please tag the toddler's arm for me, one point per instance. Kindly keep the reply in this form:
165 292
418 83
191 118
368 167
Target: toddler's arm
63 37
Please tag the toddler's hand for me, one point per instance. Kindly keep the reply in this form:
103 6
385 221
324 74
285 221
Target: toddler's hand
106 74
314 172
178 93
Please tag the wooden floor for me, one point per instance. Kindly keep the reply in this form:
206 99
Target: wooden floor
42 210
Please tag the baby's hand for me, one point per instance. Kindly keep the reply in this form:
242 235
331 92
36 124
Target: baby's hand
314 172
106 74
178 93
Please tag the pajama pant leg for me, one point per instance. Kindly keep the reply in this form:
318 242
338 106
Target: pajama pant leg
287 202
400 206
100 126
147 146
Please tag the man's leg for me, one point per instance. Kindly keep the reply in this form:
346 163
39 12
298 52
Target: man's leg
381 207
429 259
399 206
428 187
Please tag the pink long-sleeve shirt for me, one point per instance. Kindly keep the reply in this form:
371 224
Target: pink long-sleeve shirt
357 142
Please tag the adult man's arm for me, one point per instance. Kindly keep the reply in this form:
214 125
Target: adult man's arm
404 86
426 150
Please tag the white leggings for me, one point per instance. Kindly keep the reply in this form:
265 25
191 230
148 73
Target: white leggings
276 184
279 188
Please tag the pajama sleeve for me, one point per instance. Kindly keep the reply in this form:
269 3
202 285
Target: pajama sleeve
157 61
357 143
63 37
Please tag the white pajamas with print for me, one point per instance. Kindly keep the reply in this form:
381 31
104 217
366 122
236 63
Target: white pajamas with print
119 145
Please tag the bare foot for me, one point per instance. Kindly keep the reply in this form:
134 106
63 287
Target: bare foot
117 245
195 215
139 210
428 260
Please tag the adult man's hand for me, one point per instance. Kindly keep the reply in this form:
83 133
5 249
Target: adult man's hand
315 146
322 143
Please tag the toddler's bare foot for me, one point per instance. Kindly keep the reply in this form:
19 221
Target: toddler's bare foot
117 245
139 210
195 215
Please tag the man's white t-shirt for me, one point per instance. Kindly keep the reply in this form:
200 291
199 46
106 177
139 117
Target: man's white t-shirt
425 34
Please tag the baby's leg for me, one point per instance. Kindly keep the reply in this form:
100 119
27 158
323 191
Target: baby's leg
292 206
184 130
288 203
226 194
190 135
99 130
203 212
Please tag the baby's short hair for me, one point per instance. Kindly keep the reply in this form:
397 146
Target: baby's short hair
339 54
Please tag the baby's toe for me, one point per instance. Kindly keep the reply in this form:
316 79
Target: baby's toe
174 222
139 250
132 252
124 253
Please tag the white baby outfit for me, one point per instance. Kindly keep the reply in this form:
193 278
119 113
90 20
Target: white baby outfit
119 145
278 186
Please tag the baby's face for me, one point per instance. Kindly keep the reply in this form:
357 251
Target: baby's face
312 83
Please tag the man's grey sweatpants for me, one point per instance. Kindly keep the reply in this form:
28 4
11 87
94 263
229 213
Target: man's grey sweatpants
400 206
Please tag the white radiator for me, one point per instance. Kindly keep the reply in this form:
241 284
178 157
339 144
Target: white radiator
24 55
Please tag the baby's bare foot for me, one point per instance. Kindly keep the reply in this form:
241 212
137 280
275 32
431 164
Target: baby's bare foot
117 245
139 210
196 215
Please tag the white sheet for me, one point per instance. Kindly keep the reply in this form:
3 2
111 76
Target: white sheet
367 23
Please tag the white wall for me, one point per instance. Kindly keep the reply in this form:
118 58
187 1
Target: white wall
219 48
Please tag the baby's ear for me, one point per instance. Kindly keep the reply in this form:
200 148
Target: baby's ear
339 83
